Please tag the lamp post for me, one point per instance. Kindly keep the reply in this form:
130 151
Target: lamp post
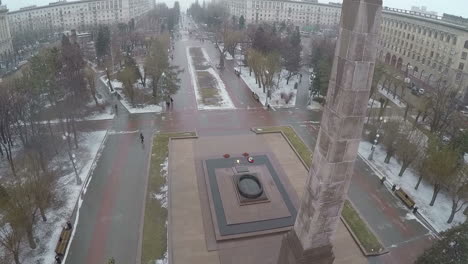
376 140
311 88
267 89
66 137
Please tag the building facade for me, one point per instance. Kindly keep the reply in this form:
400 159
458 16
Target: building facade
426 47
5 37
420 43
63 15
297 13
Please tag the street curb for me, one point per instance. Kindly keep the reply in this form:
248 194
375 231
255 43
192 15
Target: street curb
355 238
256 131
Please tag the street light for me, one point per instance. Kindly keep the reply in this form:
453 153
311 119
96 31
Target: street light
66 137
376 140
267 88
311 78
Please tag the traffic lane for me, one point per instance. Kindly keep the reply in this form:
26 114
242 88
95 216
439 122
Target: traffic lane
124 232
95 214
385 214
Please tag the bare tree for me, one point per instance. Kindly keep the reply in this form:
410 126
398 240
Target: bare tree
128 78
11 240
39 184
410 146
91 80
19 210
443 103
457 187
440 164
391 134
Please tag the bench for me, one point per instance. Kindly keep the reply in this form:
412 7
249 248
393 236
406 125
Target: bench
408 201
255 96
62 243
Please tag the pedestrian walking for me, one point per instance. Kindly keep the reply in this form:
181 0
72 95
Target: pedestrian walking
116 109
168 104
142 138
172 100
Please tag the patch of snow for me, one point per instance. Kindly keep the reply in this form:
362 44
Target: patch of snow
314 105
49 231
438 214
139 109
164 260
226 102
376 104
281 87
142 108
389 95
101 116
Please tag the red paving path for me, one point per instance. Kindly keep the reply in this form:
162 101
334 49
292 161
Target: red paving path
111 212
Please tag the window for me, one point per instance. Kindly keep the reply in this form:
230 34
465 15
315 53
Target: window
461 66
464 55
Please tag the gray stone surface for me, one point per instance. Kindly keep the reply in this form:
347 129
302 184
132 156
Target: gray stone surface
227 229
339 136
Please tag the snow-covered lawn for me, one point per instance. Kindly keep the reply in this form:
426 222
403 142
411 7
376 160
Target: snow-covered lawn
147 108
49 232
102 116
438 214
282 88
314 105
221 99
389 95
375 104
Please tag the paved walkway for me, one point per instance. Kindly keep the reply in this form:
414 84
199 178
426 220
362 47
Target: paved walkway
110 215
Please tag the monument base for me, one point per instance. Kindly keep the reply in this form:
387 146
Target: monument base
291 252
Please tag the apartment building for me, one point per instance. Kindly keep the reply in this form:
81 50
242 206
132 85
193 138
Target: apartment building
425 46
5 37
418 42
297 13
63 15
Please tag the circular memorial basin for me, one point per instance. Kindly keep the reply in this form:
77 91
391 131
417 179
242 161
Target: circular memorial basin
249 186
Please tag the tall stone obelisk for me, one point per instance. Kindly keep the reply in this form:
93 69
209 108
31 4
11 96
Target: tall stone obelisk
342 122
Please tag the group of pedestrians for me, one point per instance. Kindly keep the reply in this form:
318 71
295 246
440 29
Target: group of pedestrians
169 102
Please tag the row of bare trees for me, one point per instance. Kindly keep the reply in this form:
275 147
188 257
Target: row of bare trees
438 162
38 127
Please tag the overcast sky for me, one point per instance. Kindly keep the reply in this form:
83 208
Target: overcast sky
455 7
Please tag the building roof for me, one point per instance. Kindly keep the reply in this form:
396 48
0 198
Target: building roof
50 5
426 18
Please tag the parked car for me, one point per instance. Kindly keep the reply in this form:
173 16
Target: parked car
417 91
464 111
